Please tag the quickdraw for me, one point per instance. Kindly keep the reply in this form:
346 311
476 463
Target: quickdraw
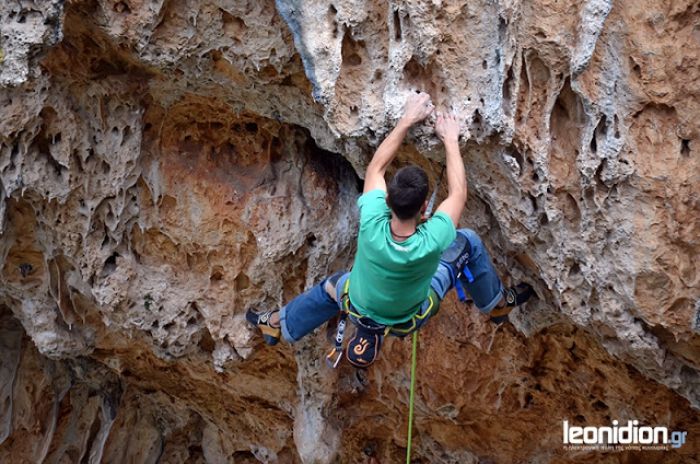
336 354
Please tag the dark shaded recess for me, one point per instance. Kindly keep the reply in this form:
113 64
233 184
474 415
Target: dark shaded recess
110 66
567 107
685 147
87 52
518 158
94 430
636 69
106 240
122 7
600 131
477 123
525 89
241 281
332 19
13 153
533 201
421 77
43 141
508 91
207 343
529 399
217 274
502 28
575 269
330 165
351 49
600 406
397 26
110 265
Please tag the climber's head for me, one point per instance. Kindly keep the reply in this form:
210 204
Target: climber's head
407 192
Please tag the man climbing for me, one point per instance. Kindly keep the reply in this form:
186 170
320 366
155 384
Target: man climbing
405 263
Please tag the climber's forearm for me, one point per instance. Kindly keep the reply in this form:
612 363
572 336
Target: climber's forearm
453 205
456 176
385 154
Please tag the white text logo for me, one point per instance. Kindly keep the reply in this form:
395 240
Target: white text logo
629 436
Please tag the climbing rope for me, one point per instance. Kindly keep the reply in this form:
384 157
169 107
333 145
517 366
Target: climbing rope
414 349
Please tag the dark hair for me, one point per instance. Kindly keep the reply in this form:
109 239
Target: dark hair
407 191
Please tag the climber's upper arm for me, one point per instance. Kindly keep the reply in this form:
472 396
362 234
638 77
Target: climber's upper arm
374 179
453 205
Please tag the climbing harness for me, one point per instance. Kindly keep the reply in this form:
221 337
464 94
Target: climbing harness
364 347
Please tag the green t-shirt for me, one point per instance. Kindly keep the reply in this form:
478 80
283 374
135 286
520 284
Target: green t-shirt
390 279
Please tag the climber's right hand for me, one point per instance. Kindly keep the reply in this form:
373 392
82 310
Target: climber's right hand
418 107
447 127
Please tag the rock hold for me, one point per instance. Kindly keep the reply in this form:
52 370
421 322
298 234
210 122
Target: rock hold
164 166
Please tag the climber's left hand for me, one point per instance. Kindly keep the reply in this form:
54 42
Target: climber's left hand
418 107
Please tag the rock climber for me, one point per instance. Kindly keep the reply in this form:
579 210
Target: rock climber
405 263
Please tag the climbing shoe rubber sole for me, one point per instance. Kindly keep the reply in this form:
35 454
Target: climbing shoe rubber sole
514 296
270 334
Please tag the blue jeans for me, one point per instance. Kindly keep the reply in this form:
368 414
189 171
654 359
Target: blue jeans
314 307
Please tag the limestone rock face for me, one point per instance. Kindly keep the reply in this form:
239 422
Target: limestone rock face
166 165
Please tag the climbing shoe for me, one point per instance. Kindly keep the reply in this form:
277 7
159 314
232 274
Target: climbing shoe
271 334
514 296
